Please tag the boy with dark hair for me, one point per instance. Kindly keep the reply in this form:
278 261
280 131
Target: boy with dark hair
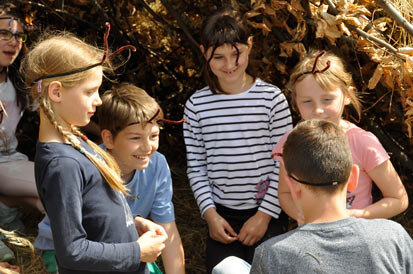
319 167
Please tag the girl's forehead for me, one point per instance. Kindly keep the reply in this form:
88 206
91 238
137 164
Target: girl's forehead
227 47
309 86
9 24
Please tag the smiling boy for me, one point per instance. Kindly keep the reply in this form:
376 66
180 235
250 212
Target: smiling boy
128 118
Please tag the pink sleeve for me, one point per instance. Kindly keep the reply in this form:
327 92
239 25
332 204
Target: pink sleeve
278 149
369 149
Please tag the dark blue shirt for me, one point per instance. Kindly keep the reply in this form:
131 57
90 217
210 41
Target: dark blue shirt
93 229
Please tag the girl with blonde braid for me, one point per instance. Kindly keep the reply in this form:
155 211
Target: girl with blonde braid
78 182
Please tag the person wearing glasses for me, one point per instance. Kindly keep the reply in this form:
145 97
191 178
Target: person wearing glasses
17 183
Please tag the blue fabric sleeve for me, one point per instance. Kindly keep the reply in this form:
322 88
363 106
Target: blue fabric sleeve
162 210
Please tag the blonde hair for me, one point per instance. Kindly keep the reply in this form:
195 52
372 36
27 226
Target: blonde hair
127 104
335 76
59 53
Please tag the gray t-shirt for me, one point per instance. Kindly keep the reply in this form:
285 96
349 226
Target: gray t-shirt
346 246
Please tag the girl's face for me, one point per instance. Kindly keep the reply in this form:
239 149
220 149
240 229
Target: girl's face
313 102
78 104
224 62
9 49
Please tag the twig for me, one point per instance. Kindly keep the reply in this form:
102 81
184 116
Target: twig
156 16
365 34
57 11
181 23
395 14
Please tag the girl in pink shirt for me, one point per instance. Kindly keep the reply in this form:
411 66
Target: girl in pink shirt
320 89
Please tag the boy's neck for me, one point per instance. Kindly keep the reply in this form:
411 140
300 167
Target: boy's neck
241 86
127 177
324 207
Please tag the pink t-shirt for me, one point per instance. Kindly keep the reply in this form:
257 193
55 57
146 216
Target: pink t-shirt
367 153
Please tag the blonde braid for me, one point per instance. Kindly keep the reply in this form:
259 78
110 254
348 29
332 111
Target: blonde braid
111 174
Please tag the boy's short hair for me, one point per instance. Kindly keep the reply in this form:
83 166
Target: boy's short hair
126 104
317 153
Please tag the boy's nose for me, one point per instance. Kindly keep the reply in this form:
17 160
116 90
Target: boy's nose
146 146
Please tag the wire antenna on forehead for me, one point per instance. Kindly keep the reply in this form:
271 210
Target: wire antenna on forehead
314 70
104 58
165 120
160 120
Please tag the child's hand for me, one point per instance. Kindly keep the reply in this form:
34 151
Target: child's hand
219 229
254 228
144 225
151 245
7 268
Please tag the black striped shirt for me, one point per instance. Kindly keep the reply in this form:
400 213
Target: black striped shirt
229 139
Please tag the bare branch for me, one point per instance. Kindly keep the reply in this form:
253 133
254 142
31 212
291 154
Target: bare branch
181 23
156 16
395 14
58 12
365 34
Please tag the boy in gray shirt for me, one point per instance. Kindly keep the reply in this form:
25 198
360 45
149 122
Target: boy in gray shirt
318 162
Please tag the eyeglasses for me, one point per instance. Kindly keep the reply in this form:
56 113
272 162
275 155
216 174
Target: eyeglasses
7 35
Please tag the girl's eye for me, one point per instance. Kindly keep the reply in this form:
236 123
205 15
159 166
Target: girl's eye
90 92
135 138
217 57
307 101
155 136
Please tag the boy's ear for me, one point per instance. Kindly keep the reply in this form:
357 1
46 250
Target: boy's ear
107 138
54 91
353 178
295 187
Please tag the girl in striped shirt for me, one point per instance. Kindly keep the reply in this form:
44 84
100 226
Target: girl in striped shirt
231 127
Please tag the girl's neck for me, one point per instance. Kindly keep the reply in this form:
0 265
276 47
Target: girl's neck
2 74
344 125
244 84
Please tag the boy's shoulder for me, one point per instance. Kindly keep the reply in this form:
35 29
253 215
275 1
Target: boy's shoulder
370 230
158 157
